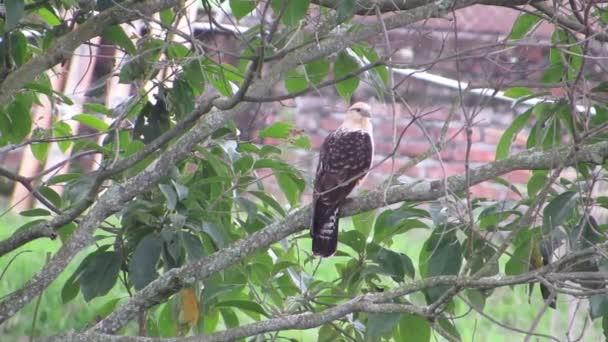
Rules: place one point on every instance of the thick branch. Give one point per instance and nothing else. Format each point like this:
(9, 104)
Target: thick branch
(169, 283)
(367, 7)
(372, 302)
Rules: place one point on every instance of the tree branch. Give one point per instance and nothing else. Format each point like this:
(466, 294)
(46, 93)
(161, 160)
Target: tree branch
(64, 45)
(163, 287)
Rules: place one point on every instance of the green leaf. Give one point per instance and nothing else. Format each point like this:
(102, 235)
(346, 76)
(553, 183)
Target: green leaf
(345, 65)
(517, 92)
(441, 255)
(558, 210)
(317, 70)
(243, 305)
(167, 16)
(504, 144)
(35, 212)
(397, 265)
(354, 239)
(51, 195)
(170, 195)
(291, 185)
(115, 34)
(270, 201)
(48, 16)
(536, 182)
(554, 73)
(294, 11)
(598, 306)
(295, 82)
(62, 129)
(392, 222)
(346, 10)
(364, 222)
(379, 324)
(414, 328)
(14, 12)
(92, 121)
(449, 328)
(18, 47)
(524, 24)
(520, 259)
(241, 8)
(193, 246)
(100, 274)
(107, 308)
(142, 266)
(278, 130)
(19, 117)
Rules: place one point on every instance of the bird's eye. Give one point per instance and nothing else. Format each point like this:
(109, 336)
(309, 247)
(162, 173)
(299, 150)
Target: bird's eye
(357, 109)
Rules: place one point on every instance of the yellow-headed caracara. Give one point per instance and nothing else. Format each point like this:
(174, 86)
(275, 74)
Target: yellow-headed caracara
(345, 158)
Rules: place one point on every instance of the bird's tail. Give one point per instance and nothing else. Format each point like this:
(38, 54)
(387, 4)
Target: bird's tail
(324, 230)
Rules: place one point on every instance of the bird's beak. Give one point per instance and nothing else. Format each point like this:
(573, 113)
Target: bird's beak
(366, 114)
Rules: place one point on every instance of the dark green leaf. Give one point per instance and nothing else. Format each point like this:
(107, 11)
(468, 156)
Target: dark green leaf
(449, 328)
(193, 245)
(50, 195)
(396, 265)
(115, 34)
(524, 24)
(558, 210)
(598, 306)
(142, 266)
(504, 145)
(343, 66)
(230, 318)
(414, 328)
(35, 212)
(291, 185)
(14, 12)
(294, 11)
(346, 9)
(379, 324)
(19, 117)
(441, 255)
(241, 8)
(243, 305)
(18, 47)
(169, 194)
(100, 274)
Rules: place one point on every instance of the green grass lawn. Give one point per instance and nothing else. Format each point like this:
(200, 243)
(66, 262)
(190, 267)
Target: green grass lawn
(507, 305)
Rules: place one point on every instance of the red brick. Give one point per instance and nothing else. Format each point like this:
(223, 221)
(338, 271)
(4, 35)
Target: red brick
(459, 134)
(316, 141)
(329, 125)
(385, 130)
(518, 177)
(479, 153)
(493, 135)
(451, 169)
(412, 149)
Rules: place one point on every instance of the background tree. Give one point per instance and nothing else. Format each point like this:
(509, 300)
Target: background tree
(176, 209)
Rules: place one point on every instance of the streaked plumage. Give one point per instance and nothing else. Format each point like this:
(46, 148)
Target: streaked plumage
(345, 158)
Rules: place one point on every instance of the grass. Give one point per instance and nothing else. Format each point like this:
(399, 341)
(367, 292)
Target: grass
(507, 305)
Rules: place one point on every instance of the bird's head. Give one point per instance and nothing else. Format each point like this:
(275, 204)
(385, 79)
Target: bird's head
(362, 109)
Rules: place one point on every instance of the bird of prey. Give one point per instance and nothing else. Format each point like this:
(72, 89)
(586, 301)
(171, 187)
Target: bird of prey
(344, 161)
